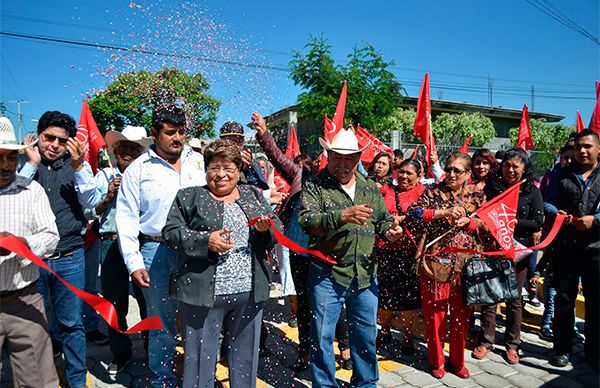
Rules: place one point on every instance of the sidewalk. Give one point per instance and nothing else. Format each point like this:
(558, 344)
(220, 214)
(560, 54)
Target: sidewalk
(396, 370)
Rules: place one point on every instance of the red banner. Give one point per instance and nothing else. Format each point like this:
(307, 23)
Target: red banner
(423, 128)
(465, 147)
(332, 127)
(89, 135)
(580, 126)
(293, 147)
(286, 242)
(525, 141)
(102, 306)
(500, 216)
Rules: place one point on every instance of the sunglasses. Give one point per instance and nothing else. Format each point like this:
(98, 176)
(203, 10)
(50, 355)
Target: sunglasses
(52, 138)
(456, 171)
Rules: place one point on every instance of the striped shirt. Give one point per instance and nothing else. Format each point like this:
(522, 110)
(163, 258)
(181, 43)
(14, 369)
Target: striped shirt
(25, 212)
(147, 191)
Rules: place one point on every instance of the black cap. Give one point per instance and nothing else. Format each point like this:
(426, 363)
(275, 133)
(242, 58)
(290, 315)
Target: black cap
(231, 128)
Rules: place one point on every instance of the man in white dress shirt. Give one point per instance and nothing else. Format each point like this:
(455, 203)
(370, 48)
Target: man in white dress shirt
(25, 213)
(147, 191)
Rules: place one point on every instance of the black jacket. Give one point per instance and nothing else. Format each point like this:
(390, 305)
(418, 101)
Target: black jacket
(194, 215)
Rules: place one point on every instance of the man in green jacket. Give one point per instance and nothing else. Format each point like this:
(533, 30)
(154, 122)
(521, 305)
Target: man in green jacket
(341, 212)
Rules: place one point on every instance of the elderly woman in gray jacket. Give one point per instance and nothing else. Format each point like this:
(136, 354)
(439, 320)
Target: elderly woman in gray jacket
(222, 277)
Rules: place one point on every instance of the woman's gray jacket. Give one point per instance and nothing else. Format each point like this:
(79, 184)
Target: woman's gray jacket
(194, 215)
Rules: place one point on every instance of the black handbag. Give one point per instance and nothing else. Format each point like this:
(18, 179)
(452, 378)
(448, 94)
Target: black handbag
(489, 280)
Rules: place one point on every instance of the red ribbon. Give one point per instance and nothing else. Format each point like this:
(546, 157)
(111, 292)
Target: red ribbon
(102, 306)
(286, 242)
(558, 221)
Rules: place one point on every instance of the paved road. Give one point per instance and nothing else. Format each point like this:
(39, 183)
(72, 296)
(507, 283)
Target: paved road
(396, 370)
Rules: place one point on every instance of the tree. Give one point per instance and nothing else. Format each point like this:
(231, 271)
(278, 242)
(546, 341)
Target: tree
(548, 139)
(373, 91)
(132, 97)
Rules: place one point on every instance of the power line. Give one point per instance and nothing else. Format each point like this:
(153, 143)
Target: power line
(11, 74)
(504, 91)
(549, 9)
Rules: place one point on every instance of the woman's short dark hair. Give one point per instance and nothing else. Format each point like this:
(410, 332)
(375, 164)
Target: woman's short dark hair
(456, 155)
(414, 164)
(523, 158)
(169, 114)
(379, 156)
(220, 149)
(488, 156)
(54, 118)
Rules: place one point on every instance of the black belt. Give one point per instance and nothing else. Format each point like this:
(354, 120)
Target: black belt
(58, 255)
(151, 238)
(108, 236)
(8, 296)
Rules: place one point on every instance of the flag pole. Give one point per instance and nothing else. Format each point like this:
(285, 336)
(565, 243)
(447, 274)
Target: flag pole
(107, 158)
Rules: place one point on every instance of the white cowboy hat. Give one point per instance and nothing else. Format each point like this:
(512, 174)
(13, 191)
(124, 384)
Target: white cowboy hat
(344, 142)
(130, 133)
(8, 140)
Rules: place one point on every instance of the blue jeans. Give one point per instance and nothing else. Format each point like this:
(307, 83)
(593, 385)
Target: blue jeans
(66, 310)
(327, 299)
(92, 264)
(160, 260)
(549, 292)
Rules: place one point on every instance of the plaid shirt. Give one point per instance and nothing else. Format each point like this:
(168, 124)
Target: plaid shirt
(25, 212)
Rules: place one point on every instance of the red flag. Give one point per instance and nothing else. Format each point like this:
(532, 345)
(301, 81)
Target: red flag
(293, 148)
(364, 139)
(89, 135)
(332, 127)
(580, 125)
(423, 127)
(500, 216)
(415, 153)
(465, 147)
(525, 141)
(595, 121)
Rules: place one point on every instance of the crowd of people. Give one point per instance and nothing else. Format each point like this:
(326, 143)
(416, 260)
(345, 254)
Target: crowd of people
(190, 232)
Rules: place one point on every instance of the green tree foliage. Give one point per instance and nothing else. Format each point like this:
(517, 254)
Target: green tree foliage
(373, 91)
(448, 129)
(547, 138)
(132, 97)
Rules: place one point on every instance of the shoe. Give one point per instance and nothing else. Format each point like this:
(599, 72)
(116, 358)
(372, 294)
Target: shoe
(302, 363)
(96, 337)
(119, 363)
(534, 301)
(346, 363)
(560, 360)
(438, 373)
(463, 372)
(481, 352)
(545, 333)
(384, 339)
(512, 357)
(578, 338)
(293, 322)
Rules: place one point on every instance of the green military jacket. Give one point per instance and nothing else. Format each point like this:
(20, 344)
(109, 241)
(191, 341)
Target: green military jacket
(351, 245)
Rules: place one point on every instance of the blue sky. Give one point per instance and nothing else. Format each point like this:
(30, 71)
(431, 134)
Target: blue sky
(460, 43)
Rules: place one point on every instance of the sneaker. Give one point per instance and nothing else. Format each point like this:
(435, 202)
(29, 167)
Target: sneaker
(534, 301)
(293, 322)
(96, 337)
(578, 338)
(545, 333)
(512, 356)
(560, 360)
(119, 363)
(481, 352)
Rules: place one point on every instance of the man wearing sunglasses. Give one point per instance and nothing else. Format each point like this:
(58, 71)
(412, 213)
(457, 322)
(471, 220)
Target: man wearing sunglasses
(56, 163)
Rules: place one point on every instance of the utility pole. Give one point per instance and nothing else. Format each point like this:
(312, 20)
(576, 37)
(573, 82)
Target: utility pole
(19, 118)
(532, 100)
(490, 90)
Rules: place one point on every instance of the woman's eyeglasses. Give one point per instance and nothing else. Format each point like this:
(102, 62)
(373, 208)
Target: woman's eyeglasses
(217, 169)
(52, 138)
(456, 171)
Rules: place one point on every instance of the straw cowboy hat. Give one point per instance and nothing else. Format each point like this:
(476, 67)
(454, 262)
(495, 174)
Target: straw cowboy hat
(344, 142)
(8, 140)
(198, 143)
(130, 133)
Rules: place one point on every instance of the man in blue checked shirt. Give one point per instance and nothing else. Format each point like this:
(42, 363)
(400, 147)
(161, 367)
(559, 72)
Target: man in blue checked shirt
(146, 193)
